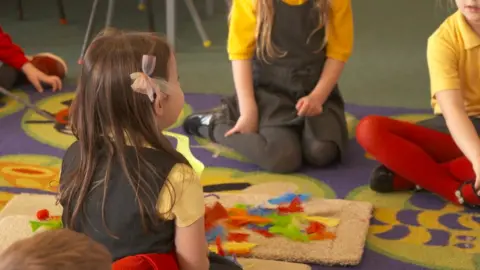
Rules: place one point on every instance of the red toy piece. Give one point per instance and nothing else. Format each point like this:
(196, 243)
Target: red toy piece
(220, 250)
(294, 207)
(214, 214)
(315, 227)
(238, 237)
(265, 233)
(43, 214)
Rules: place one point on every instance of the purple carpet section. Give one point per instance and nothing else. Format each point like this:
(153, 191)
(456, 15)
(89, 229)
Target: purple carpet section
(341, 178)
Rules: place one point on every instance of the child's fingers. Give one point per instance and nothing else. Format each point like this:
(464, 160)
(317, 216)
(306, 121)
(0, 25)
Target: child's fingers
(303, 109)
(299, 104)
(231, 131)
(38, 86)
(58, 83)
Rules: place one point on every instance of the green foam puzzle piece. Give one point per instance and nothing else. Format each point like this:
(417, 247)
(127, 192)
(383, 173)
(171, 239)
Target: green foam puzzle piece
(291, 232)
(51, 225)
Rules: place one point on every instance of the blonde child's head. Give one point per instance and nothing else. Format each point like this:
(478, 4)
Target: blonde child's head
(265, 15)
(56, 250)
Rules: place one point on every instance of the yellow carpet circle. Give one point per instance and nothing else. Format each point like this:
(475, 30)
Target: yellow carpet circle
(9, 105)
(39, 172)
(443, 238)
(59, 134)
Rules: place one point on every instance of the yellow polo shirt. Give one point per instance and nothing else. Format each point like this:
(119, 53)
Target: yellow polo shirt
(243, 21)
(453, 56)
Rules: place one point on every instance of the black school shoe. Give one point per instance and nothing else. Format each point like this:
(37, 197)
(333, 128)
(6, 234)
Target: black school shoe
(382, 181)
(195, 121)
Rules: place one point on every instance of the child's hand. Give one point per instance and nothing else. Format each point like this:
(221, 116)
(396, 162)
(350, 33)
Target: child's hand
(247, 123)
(36, 77)
(309, 106)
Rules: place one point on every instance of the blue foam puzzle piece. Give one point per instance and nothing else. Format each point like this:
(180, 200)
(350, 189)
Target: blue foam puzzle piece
(214, 232)
(259, 211)
(288, 198)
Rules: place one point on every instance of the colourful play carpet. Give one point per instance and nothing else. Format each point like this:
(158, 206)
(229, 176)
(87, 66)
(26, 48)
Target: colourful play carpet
(409, 230)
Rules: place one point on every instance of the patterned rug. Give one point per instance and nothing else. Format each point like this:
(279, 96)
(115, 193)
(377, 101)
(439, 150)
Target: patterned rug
(409, 230)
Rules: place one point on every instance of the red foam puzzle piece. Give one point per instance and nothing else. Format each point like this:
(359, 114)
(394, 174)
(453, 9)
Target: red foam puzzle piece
(220, 250)
(315, 227)
(43, 214)
(294, 207)
(213, 214)
(238, 237)
(263, 232)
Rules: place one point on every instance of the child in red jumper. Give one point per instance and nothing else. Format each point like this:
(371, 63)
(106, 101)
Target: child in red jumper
(425, 155)
(40, 69)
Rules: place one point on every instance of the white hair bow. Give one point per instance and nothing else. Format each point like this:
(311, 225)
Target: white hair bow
(143, 83)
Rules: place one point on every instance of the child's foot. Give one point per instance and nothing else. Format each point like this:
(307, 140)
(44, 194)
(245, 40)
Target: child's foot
(383, 180)
(467, 195)
(201, 124)
(50, 64)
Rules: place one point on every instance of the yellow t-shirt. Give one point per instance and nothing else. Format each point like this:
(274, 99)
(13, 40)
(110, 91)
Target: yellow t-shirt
(453, 56)
(243, 20)
(188, 200)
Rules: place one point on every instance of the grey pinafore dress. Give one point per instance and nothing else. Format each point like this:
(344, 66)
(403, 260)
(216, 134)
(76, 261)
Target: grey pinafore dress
(281, 82)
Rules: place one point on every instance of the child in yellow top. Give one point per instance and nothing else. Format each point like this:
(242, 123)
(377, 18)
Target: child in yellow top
(287, 57)
(122, 183)
(442, 154)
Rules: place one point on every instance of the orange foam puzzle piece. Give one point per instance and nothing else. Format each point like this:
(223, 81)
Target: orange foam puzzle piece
(237, 212)
(322, 236)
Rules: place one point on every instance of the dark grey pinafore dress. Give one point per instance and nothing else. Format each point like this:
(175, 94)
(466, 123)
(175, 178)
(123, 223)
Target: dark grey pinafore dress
(281, 82)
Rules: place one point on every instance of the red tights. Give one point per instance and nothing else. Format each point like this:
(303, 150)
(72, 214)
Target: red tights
(418, 155)
(147, 262)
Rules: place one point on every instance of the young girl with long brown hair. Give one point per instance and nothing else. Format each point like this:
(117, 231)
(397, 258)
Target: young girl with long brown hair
(122, 182)
(442, 154)
(287, 57)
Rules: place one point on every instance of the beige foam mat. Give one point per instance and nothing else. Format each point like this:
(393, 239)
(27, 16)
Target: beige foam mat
(346, 249)
(22, 208)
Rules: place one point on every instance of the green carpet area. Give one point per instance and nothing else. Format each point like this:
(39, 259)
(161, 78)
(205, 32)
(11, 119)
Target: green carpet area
(388, 67)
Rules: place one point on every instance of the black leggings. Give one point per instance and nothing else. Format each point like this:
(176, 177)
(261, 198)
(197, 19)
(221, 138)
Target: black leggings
(9, 76)
(220, 263)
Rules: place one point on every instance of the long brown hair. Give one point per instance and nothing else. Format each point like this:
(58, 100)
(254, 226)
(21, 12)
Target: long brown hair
(107, 114)
(265, 14)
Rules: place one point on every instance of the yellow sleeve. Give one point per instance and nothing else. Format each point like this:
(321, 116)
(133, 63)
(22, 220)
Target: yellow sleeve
(442, 61)
(340, 30)
(186, 193)
(241, 31)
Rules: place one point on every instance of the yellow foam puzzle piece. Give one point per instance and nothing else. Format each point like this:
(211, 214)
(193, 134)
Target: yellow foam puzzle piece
(329, 222)
(233, 246)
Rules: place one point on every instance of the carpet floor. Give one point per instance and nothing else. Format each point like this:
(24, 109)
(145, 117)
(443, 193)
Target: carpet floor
(408, 231)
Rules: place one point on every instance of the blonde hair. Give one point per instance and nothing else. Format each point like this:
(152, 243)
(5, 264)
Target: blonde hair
(56, 250)
(265, 15)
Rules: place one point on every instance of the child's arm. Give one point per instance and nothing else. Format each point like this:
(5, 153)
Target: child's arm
(339, 47)
(10, 53)
(445, 87)
(192, 249)
(241, 48)
(460, 126)
(188, 211)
